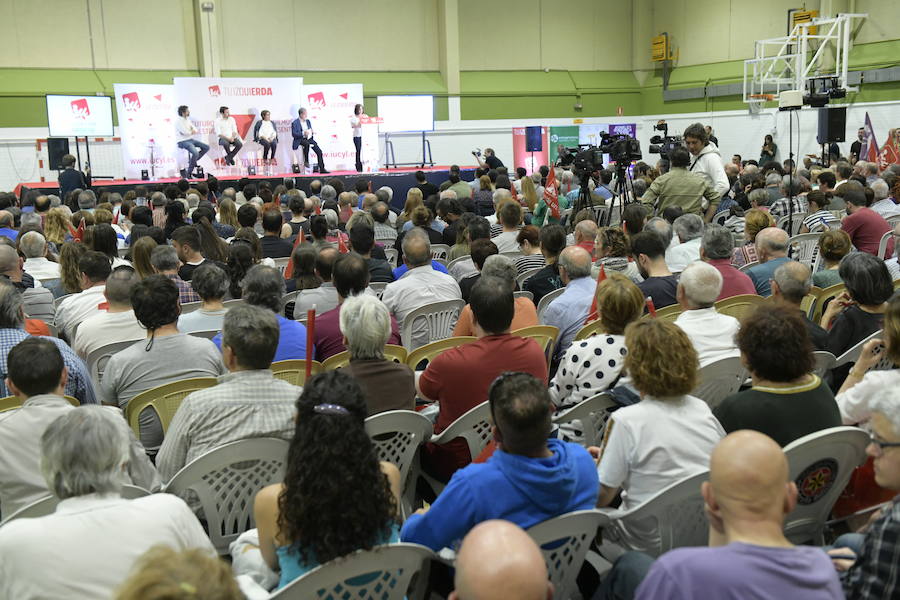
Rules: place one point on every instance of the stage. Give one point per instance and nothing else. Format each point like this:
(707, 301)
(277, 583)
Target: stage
(399, 180)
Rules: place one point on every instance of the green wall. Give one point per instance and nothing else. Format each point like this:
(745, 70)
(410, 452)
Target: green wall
(484, 94)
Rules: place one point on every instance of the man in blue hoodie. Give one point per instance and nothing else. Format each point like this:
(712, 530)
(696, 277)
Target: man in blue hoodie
(529, 479)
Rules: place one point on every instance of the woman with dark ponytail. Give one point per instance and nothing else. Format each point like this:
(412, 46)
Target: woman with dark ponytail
(337, 497)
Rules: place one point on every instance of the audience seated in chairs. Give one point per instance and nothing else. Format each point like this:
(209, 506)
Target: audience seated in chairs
(273, 245)
(248, 402)
(324, 297)
(94, 268)
(336, 497)
(611, 253)
(459, 378)
(790, 285)
(34, 247)
(529, 479)
(362, 241)
(861, 382)
(498, 560)
(117, 323)
(569, 310)
(264, 286)
(163, 573)
(367, 325)
(95, 537)
(165, 262)
(717, 249)
(528, 240)
(36, 373)
(594, 365)
(481, 249)
(420, 286)
(649, 251)
(510, 216)
(501, 267)
(350, 275)
(553, 241)
(211, 283)
(834, 245)
(12, 331)
(166, 355)
(787, 400)
(37, 302)
(771, 252)
(747, 498)
(665, 437)
(711, 333)
(689, 229)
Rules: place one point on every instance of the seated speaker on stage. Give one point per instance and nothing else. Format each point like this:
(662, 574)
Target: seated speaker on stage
(229, 139)
(302, 131)
(185, 132)
(265, 134)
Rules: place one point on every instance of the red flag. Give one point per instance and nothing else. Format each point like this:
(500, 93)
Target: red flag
(869, 151)
(651, 308)
(115, 220)
(512, 190)
(342, 245)
(592, 313)
(890, 152)
(289, 270)
(78, 235)
(551, 194)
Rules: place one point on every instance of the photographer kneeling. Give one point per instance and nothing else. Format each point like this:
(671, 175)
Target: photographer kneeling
(680, 187)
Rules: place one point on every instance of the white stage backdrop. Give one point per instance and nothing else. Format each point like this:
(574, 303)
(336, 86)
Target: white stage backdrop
(147, 113)
(330, 107)
(245, 98)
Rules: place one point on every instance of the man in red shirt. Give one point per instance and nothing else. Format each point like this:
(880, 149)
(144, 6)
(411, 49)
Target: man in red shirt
(585, 233)
(460, 377)
(864, 226)
(717, 248)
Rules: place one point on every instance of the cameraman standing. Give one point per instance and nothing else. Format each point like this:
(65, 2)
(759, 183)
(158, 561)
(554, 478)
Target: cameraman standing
(680, 187)
(490, 160)
(706, 159)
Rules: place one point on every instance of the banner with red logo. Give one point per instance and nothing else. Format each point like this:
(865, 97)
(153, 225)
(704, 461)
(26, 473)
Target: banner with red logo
(530, 161)
(890, 152)
(245, 98)
(330, 108)
(147, 113)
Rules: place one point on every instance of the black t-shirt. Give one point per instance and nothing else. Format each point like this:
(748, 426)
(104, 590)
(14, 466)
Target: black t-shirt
(543, 282)
(275, 247)
(855, 148)
(449, 233)
(493, 162)
(186, 272)
(428, 189)
(466, 285)
(782, 414)
(660, 289)
(817, 335)
(380, 271)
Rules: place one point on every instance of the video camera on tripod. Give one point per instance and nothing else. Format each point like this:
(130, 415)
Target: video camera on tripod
(622, 149)
(665, 143)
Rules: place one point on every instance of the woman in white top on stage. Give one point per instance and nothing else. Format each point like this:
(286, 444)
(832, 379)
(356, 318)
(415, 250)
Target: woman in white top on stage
(265, 134)
(356, 124)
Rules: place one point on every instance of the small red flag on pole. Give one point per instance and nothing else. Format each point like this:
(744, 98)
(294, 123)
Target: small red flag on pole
(310, 336)
(592, 313)
(650, 308)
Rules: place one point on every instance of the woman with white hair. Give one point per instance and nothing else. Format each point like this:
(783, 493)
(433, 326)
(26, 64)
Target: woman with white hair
(366, 325)
(503, 268)
(87, 547)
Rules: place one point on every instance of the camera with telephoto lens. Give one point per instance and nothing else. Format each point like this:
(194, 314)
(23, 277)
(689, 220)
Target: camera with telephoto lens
(622, 150)
(665, 143)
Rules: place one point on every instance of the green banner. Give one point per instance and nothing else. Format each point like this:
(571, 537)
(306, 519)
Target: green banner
(566, 135)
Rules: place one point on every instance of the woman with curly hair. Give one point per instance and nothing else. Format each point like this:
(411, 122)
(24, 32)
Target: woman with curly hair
(240, 260)
(667, 436)
(611, 252)
(337, 497)
(69, 255)
(57, 225)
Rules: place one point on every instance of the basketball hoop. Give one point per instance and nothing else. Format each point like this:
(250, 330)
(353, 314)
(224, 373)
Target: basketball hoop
(756, 101)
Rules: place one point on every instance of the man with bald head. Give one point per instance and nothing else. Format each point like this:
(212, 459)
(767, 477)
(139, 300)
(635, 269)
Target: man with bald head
(498, 560)
(771, 249)
(569, 311)
(585, 233)
(420, 285)
(790, 283)
(711, 332)
(36, 301)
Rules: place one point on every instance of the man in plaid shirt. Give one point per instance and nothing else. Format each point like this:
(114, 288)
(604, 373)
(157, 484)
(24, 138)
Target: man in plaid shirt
(875, 572)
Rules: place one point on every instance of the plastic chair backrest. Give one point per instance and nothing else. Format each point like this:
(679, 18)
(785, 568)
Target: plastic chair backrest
(47, 505)
(429, 351)
(520, 279)
(96, 360)
(883, 244)
(825, 296)
(398, 434)
(852, 355)
(188, 307)
(564, 541)
(591, 414)
(679, 512)
(378, 287)
(226, 480)
(391, 255)
(205, 334)
(720, 379)
(474, 426)
(748, 266)
(825, 361)
(294, 371)
(739, 306)
(720, 217)
(58, 301)
(342, 359)
(810, 301)
(523, 294)
(164, 400)
(440, 251)
(287, 299)
(892, 221)
(382, 573)
(796, 224)
(10, 403)
(282, 263)
(458, 260)
(591, 329)
(544, 335)
(804, 247)
(821, 464)
(439, 318)
(545, 302)
(667, 313)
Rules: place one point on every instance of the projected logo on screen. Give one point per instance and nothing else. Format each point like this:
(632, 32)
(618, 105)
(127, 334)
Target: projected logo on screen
(215, 91)
(131, 101)
(316, 100)
(80, 109)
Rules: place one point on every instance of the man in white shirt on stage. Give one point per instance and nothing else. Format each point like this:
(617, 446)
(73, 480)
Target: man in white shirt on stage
(185, 132)
(227, 131)
(302, 132)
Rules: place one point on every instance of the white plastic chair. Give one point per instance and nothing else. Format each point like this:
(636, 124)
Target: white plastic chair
(796, 224)
(474, 426)
(804, 247)
(748, 266)
(720, 379)
(591, 414)
(287, 299)
(47, 505)
(378, 287)
(282, 263)
(58, 301)
(564, 541)
(440, 252)
(188, 307)
(523, 294)
(96, 360)
(226, 480)
(438, 318)
(398, 434)
(391, 255)
(524, 276)
(678, 512)
(852, 355)
(821, 464)
(825, 361)
(892, 221)
(545, 302)
(883, 244)
(382, 573)
(720, 217)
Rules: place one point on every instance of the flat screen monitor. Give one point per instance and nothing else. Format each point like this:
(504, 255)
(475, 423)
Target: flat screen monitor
(406, 113)
(76, 116)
